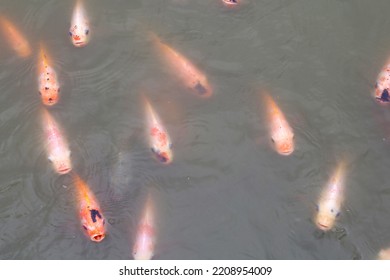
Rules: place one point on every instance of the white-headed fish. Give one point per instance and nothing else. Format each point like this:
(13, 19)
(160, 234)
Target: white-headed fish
(331, 199)
(56, 145)
(79, 30)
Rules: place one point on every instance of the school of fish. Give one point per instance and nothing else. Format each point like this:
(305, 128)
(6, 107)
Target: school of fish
(189, 76)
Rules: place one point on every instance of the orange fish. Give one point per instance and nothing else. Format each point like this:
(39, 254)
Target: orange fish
(48, 84)
(384, 254)
(180, 66)
(79, 28)
(331, 199)
(282, 135)
(56, 146)
(230, 2)
(14, 38)
(145, 240)
(159, 139)
(91, 217)
(382, 86)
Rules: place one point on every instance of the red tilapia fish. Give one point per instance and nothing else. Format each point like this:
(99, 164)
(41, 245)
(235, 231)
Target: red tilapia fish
(159, 140)
(14, 38)
(384, 254)
(48, 84)
(143, 248)
(382, 86)
(91, 217)
(56, 146)
(331, 199)
(282, 135)
(181, 67)
(79, 28)
(230, 2)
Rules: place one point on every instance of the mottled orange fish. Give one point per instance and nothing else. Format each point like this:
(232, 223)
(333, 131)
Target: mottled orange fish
(79, 30)
(282, 135)
(48, 84)
(91, 217)
(143, 248)
(331, 199)
(382, 86)
(181, 67)
(159, 140)
(14, 38)
(56, 145)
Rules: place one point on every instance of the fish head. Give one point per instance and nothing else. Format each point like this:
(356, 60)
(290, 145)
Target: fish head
(326, 216)
(163, 155)
(49, 95)
(284, 145)
(201, 87)
(79, 35)
(230, 2)
(93, 224)
(143, 254)
(62, 164)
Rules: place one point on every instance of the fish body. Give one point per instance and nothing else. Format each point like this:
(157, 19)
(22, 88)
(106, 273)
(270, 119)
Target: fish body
(79, 30)
(56, 145)
(331, 199)
(91, 217)
(48, 84)
(185, 70)
(15, 38)
(281, 133)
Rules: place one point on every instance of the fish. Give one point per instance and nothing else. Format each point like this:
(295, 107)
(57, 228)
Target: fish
(79, 30)
(48, 84)
(331, 198)
(57, 147)
(144, 244)
(185, 70)
(15, 38)
(382, 85)
(91, 217)
(230, 2)
(281, 133)
(159, 140)
(384, 254)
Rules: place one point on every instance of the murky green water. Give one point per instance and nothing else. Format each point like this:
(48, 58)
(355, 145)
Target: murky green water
(227, 194)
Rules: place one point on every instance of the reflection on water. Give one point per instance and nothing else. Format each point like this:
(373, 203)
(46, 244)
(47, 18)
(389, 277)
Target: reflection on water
(227, 194)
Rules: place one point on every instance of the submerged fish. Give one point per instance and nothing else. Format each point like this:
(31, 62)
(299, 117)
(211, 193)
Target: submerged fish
(159, 140)
(48, 84)
(181, 67)
(331, 199)
(56, 145)
(143, 248)
(384, 254)
(230, 2)
(79, 30)
(382, 86)
(15, 38)
(91, 217)
(282, 135)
